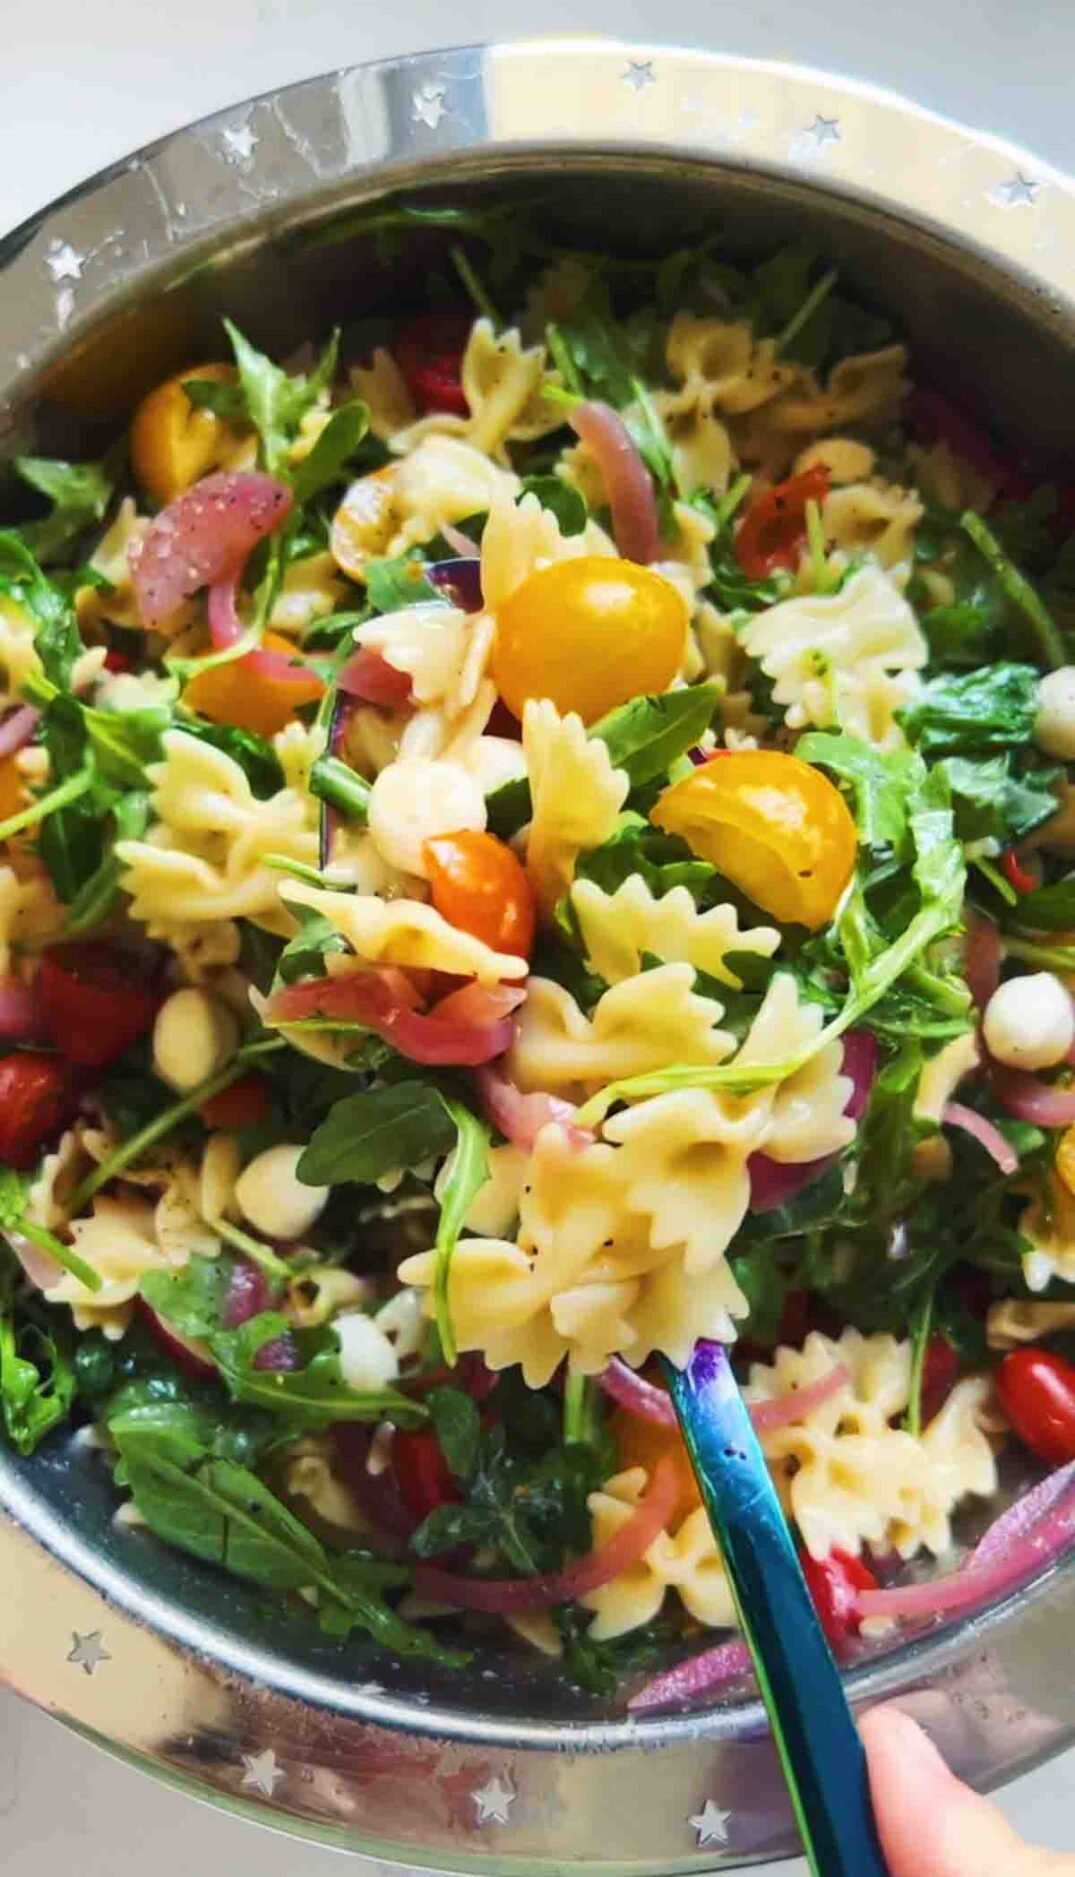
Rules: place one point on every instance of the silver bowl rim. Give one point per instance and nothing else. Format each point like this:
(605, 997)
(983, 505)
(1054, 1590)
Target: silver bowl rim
(65, 267)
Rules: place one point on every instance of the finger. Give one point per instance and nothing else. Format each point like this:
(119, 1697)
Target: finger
(930, 1824)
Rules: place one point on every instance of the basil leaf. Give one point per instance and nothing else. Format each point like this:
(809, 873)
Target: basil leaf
(334, 447)
(375, 1132)
(645, 737)
(560, 499)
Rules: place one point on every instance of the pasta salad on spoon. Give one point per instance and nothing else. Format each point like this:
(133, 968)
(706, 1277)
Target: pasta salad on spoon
(533, 836)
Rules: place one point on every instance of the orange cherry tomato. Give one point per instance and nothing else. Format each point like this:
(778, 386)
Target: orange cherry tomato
(643, 1443)
(240, 694)
(590, 634)
(776, 828)
(773, 529)
(173, 443)
(479, 886)
(12, 787)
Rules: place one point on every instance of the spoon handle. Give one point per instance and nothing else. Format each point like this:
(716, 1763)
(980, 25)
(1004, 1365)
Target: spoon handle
(820, 1751)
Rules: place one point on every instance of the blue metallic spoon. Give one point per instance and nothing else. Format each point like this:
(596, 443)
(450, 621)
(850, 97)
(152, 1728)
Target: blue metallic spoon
(820, 1751)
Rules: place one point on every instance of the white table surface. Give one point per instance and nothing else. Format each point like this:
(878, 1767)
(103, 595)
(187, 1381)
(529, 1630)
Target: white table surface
(83, 84)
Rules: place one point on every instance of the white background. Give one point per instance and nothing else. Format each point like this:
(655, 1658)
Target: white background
(82, 84)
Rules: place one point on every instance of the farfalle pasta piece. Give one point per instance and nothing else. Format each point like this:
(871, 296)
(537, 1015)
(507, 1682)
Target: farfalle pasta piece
(115, 604)
(618, 928)
(687, 1155)
(961, 1465)
(685, 1560)
(503, 384)
(721, 366)
(950, 481)
(442, 650)
(637, 1026)
(700, 444)
(848, 659)
(576, 797)
(874, 518)
(1048, 1226)
(520, 538)
(311, 589)
(30, 914)
(383, 388)
(865, 391)
(119, 1242)
(406, 932)
(443, 480)
(18, 654)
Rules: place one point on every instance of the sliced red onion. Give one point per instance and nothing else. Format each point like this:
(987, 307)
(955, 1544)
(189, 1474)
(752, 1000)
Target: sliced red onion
(42, 1271)
(382, 999)
(798, 1403)
(279, 1356)
(986, 1133)
(774, 1182)
(370, 679)
(1009, 1560)
(1029, 1099)
(700, 1675)
(459, 580)
(204, 537)
(249, 1293)
(378, 1494)
(631, 1390)
(190, 1357)
(983, 955)
(627, 481)
(21, 1019)
(17, 729)
(520, 1118)
(1021, 1518)
(506, 1595)
(226, 629)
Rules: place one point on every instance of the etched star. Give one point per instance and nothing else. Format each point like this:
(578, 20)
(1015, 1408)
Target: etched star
(824, 130)
(261, 1772)
(88, 1652)
(638, 73)
(64, 262)
(240, 142)
(494, 1801)
(711, 1824)
(428, 106)
(1018, 189)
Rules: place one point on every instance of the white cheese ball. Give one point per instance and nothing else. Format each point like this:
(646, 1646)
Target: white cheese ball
(1029, 1022)
(194, 1035)
(367, 1358)
(1054, 727)
(412, 801)
(494, 760)
(273, 1199)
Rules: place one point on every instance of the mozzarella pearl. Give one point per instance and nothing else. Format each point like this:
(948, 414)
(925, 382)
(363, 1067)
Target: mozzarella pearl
(494, 760)
(412, 801)
(194, 1035)
(1030, 1022)
(367, 1358)
(273, 1199)
(1054, 727)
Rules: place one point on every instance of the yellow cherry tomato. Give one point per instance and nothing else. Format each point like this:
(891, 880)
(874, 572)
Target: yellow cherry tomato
(643, 1443)
(172, 443)
(589, 634)
(240, 694)
(776, 828)
(12, 788)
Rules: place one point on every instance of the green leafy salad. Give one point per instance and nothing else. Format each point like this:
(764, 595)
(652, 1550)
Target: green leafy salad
(535, 834)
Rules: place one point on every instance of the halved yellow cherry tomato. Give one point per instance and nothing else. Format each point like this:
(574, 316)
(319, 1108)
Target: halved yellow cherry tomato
(776, 828)
(643, 1443)
(478, 885)
(172, 443)
(589, 634)
(12, 788)
(240, 694)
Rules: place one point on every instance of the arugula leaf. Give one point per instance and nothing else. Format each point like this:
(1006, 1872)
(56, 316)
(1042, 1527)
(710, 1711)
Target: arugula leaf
(1017, 589)
(275, 401)
(223, 1513)
(663, 860)
(57, 638)
(645, 737)
(392, 584)
(254, 754)
(37, 1378)
(79, 493)
(509, 808)
(609, 353)
(560, 499)
(375, 1132)
(457, 1425)
(1047, 908)
(879, 784)
(468, 1172)
(304, 955)
(332, 452)
(990, 802)
(974, 713)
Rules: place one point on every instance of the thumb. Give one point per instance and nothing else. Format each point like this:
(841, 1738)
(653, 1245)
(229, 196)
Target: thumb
(930, 1824)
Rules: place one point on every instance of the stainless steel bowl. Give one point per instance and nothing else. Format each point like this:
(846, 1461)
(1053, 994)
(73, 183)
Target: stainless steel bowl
(969, 244)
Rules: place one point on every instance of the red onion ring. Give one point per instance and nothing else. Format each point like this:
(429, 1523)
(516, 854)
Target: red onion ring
(248, 1294)
(368, 677)
(986, 1133)
(650, 1403)
(1021, 1518)
(785, 1410)
(520, 1118)
(191, 1358)
(504, 1596)
(378, 1494)
(226, 629)
(383, 1000)
(279, 1356)
(631, 1391)
(203, 538)
(628, 484)
(1029, 1099)
(700, 1675)
(983, 955)
(17, 729)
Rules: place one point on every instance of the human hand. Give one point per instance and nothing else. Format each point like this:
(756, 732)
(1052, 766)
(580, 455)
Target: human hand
(930, 1824)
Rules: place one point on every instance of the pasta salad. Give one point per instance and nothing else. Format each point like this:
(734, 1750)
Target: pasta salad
(535, 835)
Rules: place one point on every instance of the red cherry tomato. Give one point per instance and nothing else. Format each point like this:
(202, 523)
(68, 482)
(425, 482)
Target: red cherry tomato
(1037, 1393)
(479, 886)
(36, 1099)
(242, 1105)
(96, 1002)
(423, 1475)
(774, 527)
(834, 1583)
(1016, 874)
(429, 353)
(116, 661)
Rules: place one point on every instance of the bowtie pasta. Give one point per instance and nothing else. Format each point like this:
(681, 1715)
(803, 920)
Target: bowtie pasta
(534, 839)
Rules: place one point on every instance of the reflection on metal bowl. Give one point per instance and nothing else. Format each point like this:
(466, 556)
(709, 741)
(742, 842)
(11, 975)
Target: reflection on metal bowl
(504, 1767)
